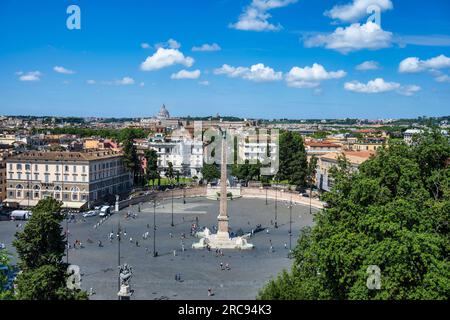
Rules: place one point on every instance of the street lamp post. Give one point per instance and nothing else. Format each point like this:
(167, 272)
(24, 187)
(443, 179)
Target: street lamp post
(172, 208)
(290, 228)
(154, 228)
(266, 195)
(67, 239)
(276, 206)
(119, 239)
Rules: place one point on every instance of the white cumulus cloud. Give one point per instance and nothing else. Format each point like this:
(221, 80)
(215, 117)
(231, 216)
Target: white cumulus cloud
(357, 9)
(207, 47)
(379, 85)
(29, 76)
(63, 70)
(257, 73)
(171, 44)
(125, 81)
(163, 58)
(409, 90)
(185, 74)
(442, 78)
(310, 77)
(367, 65)
(414, 64)
(145, 45)
(255, 16)
(353, 38)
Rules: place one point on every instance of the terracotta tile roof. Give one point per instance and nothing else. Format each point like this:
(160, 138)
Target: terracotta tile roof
(66, 155)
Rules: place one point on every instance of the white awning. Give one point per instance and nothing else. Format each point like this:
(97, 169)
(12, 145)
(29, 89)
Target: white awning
(32, 203)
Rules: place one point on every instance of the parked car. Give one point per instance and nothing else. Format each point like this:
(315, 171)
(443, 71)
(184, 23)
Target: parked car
(305, 194)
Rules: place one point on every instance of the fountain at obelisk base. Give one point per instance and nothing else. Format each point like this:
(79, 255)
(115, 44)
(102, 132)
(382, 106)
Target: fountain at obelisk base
(222, 239)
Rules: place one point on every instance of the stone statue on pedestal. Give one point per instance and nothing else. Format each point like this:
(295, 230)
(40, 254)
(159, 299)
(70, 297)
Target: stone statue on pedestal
(125, 275)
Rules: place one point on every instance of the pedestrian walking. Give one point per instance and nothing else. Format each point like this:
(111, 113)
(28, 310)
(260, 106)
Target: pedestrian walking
(221, 265)
(210, 293)
(227, 266)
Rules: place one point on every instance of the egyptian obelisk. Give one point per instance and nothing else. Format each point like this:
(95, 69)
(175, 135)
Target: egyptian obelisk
(223, 215)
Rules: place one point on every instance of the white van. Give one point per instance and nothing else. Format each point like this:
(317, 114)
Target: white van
(21, 214)
(104, 211)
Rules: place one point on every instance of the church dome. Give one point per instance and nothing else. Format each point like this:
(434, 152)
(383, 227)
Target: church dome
(163, 113)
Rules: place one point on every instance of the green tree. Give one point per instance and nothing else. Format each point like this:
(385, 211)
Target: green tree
(247, 171)
(210, 172)
(5, 262)
(40, 248)
(292, 155)
(170, 173)
(151, 171)
(131, 160)
(392, 213)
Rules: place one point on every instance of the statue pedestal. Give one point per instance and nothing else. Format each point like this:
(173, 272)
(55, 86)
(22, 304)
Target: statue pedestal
(125, 293)
(222, 240)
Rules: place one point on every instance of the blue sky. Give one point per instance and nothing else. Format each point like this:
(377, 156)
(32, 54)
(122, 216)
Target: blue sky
(253, 58)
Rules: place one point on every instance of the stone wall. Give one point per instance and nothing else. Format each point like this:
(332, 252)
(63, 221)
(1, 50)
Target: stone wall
(249, 192)
(285, 195)
(161, 195)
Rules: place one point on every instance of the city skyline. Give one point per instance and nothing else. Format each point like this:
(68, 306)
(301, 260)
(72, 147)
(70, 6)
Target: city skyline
(250, 59)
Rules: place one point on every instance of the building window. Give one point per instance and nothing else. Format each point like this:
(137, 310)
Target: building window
(10, 175)
(74, 168)
(10, 166)
(36, 167)
(84, 169)
(19, 166)
(66, 168)
(19, 176)
(36, 176)
(27, 167)
(65, 178)
(46, 178)
(46, 167)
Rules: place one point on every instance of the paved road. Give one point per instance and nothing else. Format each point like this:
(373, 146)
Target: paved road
(154, 278)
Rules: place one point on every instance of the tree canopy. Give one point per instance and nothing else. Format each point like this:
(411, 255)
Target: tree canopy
(393, 213)
(210, 172)
(40, 248)
(292, 155)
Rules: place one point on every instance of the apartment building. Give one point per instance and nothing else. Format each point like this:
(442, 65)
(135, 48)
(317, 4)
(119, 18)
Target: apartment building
(325, 162)
(4, 154)
(79, 179)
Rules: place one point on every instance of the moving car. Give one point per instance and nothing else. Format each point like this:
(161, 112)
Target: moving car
(104, 211)
(21, 214)
(90, 213)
